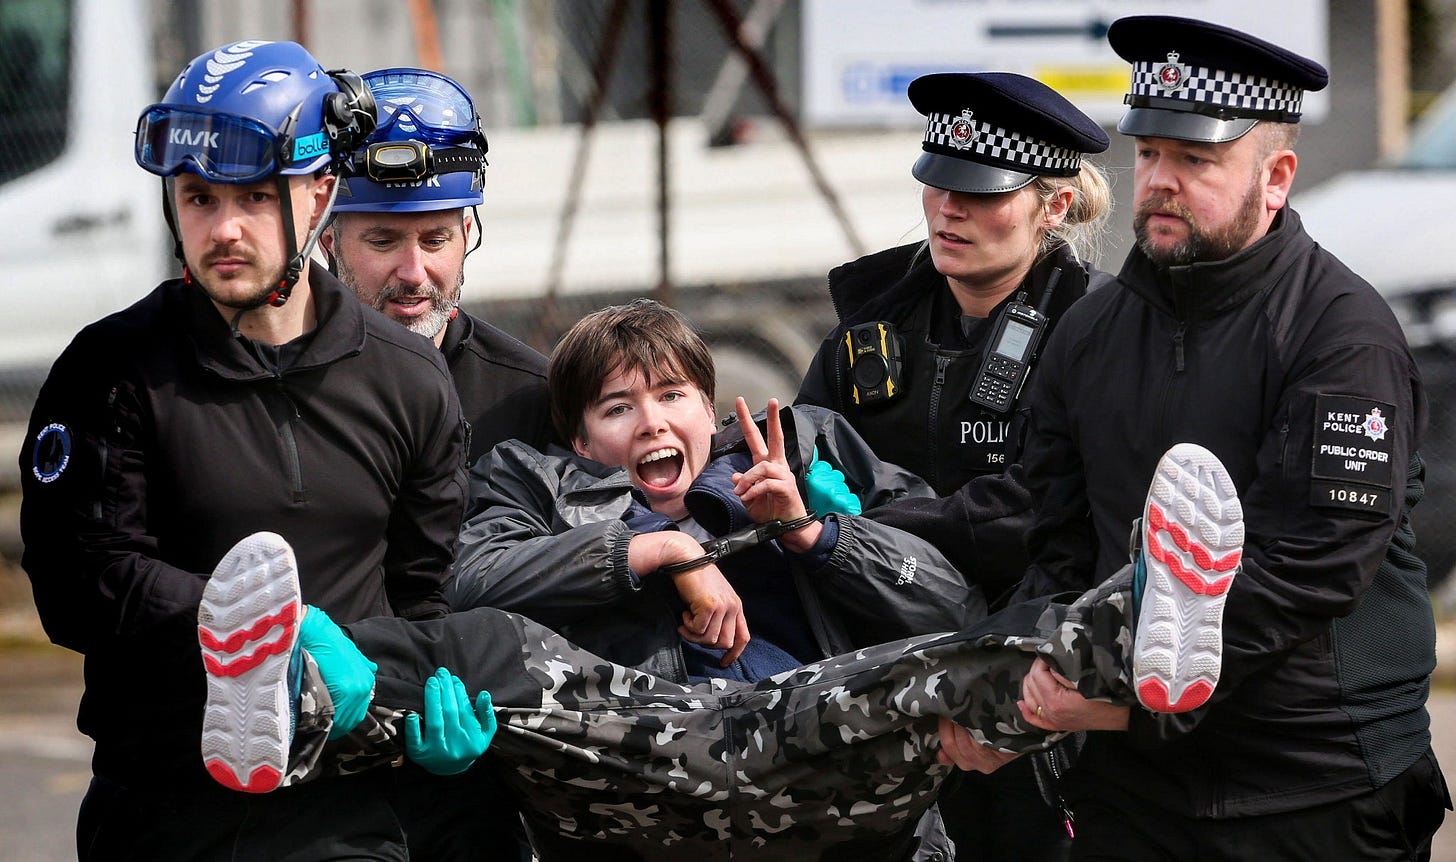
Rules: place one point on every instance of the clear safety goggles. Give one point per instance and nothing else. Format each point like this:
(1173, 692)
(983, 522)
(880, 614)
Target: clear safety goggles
(223, 148)
(425, 106)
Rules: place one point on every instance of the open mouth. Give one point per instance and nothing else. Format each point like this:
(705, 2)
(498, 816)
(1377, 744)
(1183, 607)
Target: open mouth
(408, 306)
(660, 469)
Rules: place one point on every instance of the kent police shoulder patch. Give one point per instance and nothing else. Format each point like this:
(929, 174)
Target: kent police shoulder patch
(51, 453)
(1351, 466)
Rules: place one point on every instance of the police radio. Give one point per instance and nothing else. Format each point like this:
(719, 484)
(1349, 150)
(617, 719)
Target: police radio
(874, 361)
(1008, 359)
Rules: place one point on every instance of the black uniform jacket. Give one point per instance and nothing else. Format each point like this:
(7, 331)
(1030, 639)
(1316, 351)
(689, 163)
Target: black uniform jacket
(968, 454)
(160, 439)
(1293, 371)
(502, 385)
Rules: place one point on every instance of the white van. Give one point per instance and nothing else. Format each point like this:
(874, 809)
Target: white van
(81, 231)
(1395, 226)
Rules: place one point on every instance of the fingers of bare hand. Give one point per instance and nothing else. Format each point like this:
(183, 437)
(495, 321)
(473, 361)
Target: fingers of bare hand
(1034, 714)
(775, 433)
(959, 748)
(692, 627)
(756, 447)
(954, 741)
(717, 631)
(740, 642)
(1061, 680)
(1037, 686)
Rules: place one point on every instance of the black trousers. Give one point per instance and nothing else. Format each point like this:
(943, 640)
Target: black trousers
(383, 816)
(349, 820)
(1395, 822)
(1002, 817)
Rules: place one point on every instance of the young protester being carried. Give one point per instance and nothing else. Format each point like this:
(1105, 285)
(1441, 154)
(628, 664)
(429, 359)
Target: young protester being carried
(839, 753)
(587, 544)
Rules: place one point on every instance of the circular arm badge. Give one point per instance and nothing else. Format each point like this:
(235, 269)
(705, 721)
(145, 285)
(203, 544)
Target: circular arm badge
(52, 452)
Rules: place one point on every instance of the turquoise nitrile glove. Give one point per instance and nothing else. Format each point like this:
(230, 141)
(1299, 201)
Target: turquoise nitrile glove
(827, 490)
(454, 736)
(348, 675)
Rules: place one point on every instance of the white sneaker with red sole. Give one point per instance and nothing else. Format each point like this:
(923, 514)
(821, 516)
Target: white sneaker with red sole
(1192, 542)
(247, 626)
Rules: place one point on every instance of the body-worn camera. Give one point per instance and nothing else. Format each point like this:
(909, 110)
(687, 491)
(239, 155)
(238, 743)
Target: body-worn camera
(874, 361)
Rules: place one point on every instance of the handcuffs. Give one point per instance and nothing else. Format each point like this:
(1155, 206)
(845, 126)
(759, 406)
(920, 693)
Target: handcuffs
(742, 540)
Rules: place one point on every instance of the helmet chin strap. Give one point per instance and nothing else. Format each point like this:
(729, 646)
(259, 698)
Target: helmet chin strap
(297, 258)
(169, 210)
(479, 231)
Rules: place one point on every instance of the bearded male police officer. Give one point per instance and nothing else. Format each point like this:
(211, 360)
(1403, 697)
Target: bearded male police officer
(1229, 327)
(402, 221)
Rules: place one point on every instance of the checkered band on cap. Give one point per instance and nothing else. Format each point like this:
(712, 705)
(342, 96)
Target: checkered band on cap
(966, 137)
(1209, 90)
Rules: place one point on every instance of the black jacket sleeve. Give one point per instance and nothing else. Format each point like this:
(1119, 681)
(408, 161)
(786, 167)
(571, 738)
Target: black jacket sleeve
(1307, 565)
(518, 553)
(425, 522)
(1060, 539)
(980, 527)
(93, 566)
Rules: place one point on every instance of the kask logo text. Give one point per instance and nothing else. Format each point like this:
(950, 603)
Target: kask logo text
(193, 138)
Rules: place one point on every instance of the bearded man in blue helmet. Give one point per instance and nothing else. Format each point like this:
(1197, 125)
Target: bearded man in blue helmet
(401, 231)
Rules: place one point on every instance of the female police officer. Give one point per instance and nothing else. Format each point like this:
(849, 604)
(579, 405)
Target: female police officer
(937, 339)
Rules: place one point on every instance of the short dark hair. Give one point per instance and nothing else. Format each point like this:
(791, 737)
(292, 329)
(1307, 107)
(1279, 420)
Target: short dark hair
(643, 336)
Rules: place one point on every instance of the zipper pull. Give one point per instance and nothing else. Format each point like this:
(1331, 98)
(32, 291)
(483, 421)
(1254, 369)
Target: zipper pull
(941, 364)
(1178, 345)
(1068, 822)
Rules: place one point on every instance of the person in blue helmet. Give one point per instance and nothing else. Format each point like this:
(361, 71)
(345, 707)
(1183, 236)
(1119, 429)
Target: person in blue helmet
(253, 392)
(401, 229)
(402, 224)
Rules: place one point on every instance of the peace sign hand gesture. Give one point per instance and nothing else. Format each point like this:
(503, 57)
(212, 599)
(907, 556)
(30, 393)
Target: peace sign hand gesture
(768, 489)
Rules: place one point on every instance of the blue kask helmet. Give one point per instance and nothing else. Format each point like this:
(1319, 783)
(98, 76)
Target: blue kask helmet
(249, 111)
(427, 153)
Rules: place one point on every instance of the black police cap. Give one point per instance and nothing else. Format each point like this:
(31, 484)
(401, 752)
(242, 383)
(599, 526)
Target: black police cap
(992, 132)
(1197, 81)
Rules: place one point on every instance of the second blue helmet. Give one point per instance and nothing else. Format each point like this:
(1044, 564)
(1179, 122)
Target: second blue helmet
(427, 153)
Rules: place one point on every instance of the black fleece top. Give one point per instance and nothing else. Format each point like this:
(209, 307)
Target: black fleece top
(160, 439)
(501, 383)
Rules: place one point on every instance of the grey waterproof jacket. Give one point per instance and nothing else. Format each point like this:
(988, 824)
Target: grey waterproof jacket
(545, 537)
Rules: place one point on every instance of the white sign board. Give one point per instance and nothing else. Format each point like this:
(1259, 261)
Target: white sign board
(860, 55)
